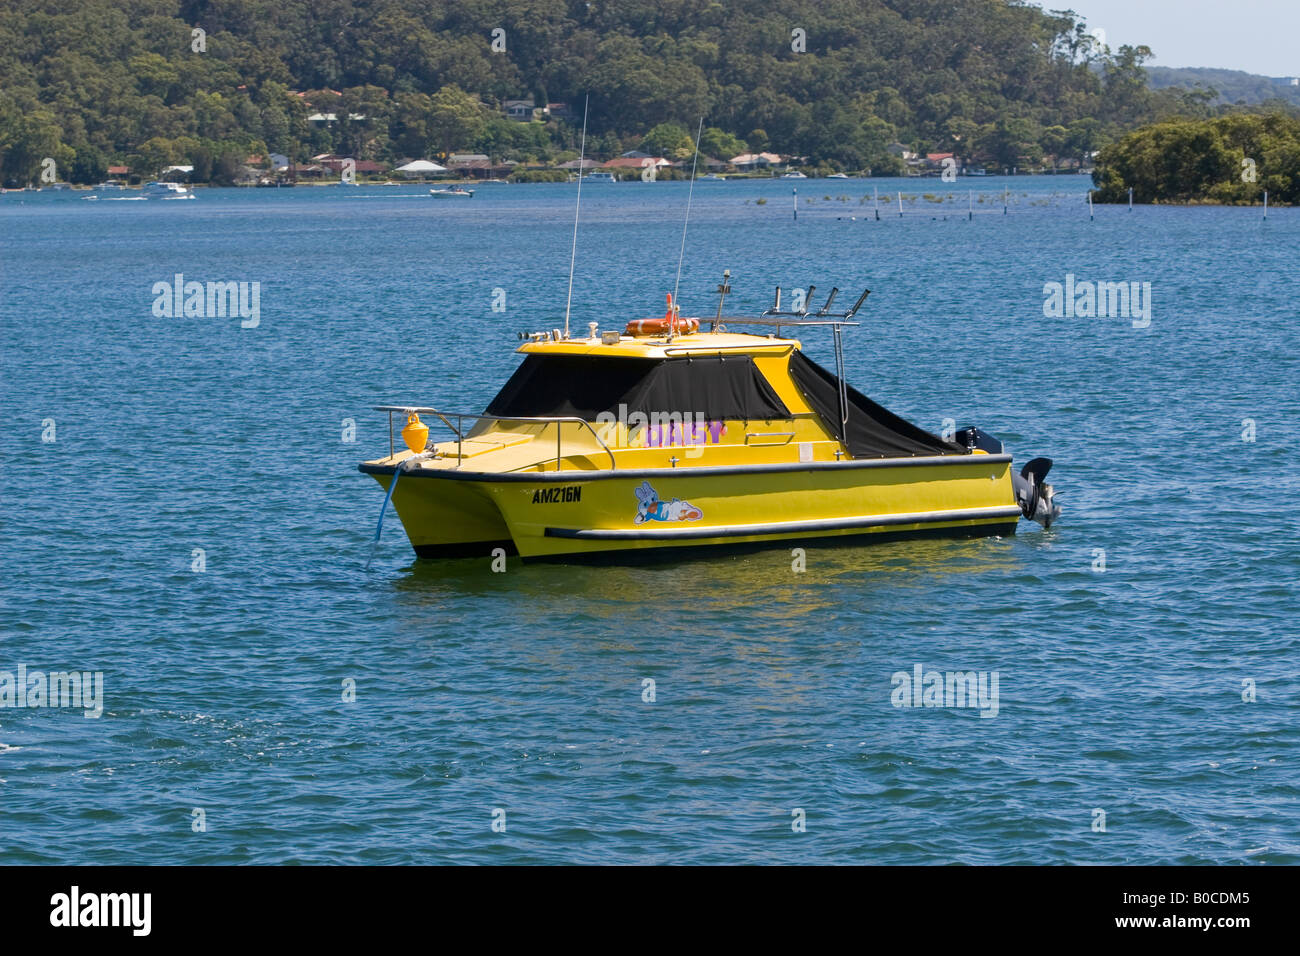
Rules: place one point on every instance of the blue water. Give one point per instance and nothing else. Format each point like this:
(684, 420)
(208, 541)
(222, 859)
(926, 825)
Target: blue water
(1121, 689)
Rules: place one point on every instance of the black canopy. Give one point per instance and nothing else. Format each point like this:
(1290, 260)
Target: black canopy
(873, 431)
(583, 386)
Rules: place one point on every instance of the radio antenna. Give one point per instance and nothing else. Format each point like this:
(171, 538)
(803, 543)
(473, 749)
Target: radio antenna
(577, 208)
(672, 322)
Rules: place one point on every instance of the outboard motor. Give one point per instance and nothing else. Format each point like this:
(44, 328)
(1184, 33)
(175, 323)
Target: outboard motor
(1034, 494)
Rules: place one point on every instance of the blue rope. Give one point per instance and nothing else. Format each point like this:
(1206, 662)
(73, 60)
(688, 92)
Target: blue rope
(379, 528)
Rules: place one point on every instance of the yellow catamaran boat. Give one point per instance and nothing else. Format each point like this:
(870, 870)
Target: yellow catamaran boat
(665, 435)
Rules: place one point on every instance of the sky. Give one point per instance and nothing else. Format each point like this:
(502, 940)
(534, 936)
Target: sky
(1258, 36)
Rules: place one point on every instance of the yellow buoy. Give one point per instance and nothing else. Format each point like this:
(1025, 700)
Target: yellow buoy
(415, 434)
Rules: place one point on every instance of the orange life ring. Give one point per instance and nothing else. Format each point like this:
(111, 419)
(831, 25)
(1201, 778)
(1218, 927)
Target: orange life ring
(661, 326)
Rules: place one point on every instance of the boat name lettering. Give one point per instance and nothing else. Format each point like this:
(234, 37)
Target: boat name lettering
(565, 494)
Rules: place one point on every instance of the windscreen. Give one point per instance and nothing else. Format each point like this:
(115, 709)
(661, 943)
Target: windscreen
(581, 386)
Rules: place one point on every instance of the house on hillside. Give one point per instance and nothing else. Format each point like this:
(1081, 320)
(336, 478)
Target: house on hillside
(938, 162)
(747, 162)
(635, 164)
(521, 111)
(478, 166)
(362, 167)
(322, 120)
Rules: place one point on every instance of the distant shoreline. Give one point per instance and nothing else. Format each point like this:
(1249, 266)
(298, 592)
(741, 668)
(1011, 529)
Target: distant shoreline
(970, 181)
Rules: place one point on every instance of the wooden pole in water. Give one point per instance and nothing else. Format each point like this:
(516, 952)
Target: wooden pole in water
(795, 190)
(1090, 218)
(1265, 205)
(900, 205)
(1130, 199)
(970, 210)
(1004, 200)
(876, 190)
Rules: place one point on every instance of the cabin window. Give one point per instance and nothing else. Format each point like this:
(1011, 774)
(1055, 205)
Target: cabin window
(719, 388)
(872, 431)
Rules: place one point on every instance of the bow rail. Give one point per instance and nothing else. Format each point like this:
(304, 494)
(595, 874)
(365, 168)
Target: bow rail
(459, 428)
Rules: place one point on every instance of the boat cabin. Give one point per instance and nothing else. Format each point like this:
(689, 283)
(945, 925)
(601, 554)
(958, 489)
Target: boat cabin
(700, 398)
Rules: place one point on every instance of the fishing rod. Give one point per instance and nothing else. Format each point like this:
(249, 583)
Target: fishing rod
(681, 255)
(573, 254)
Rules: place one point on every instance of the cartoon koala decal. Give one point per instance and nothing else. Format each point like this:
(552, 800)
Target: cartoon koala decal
(651, 508)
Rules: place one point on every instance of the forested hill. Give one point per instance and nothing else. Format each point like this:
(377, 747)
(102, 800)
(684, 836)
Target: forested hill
(1230, 86)
(99, 81)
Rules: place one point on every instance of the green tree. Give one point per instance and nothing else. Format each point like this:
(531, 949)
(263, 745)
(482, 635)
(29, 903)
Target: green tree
(409, 130)
(720, 144)
(1229, 159)
(669, 140)
(90, 166)
(455, 119)
(26, 141)
(1055, 141)
(991, 79)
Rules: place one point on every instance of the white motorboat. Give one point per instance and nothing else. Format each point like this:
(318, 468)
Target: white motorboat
(164, 190)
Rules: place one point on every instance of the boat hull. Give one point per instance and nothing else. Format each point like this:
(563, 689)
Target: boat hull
(592, 513)
(447, 519)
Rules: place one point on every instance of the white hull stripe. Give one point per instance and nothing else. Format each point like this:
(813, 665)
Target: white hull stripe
(785, 527)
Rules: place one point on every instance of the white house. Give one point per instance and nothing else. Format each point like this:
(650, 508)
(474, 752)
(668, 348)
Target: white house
(419, 168)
